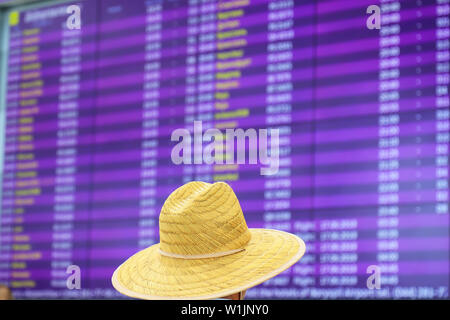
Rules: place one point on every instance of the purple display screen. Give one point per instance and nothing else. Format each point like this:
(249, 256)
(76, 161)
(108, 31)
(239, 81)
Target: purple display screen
(363, 117)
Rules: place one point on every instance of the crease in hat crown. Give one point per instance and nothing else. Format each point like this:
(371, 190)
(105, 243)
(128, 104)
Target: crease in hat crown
(202, 219)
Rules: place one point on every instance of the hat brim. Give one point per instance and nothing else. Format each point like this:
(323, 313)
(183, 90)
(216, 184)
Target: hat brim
(150, 275)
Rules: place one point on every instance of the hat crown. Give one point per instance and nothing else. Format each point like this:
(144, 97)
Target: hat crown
(200, 218)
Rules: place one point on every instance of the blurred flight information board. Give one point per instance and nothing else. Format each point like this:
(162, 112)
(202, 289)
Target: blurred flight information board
(363, 116)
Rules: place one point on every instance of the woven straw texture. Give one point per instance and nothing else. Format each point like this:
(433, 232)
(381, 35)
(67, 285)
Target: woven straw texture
(202, 219)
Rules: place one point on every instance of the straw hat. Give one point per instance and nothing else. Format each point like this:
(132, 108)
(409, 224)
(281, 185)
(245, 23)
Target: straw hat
(206, 250)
